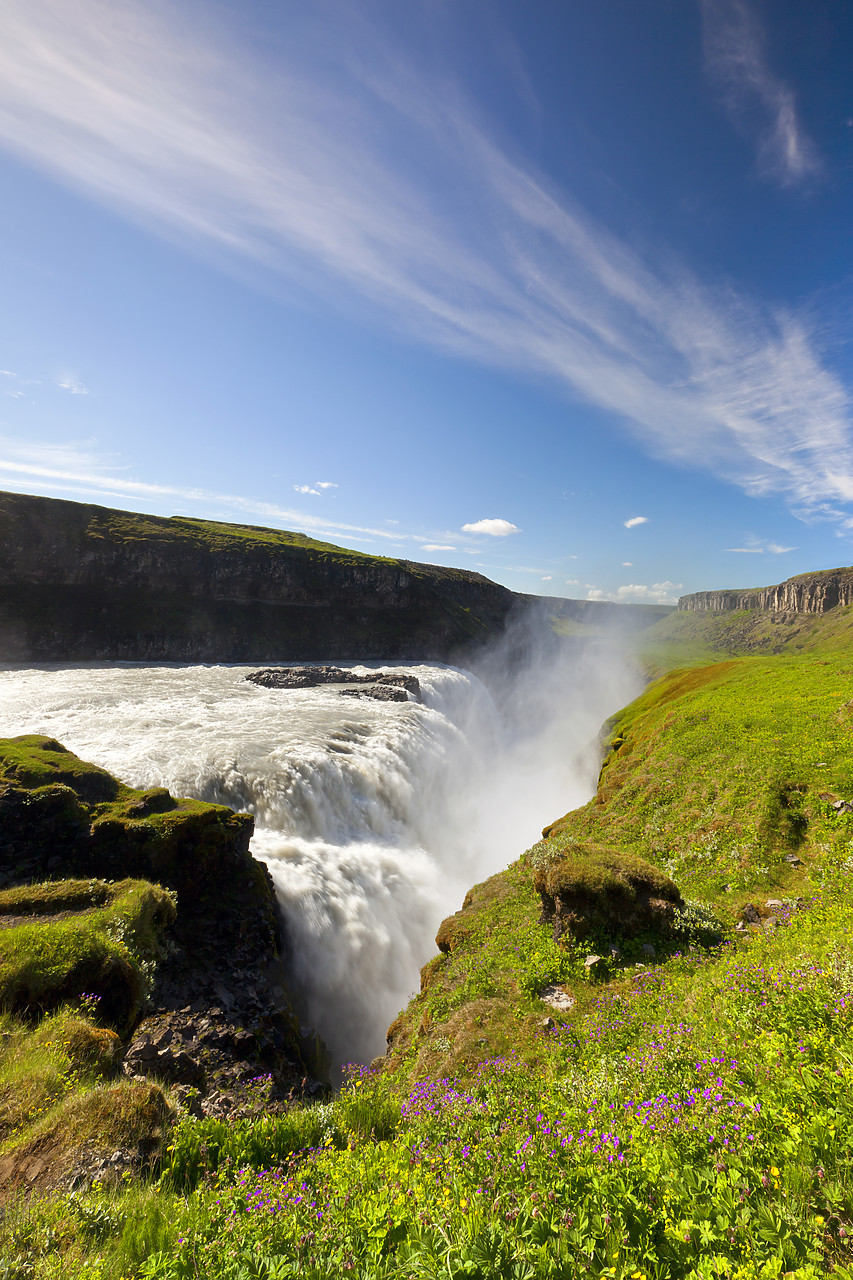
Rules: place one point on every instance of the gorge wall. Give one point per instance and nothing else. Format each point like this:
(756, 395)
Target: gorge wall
(84, 582)
(806, 593)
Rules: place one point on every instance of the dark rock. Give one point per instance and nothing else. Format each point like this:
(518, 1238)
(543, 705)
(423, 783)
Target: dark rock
(386, 687)
(378, 692)
(244, 1043)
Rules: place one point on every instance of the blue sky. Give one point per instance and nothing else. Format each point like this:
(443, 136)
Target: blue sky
(557, 291)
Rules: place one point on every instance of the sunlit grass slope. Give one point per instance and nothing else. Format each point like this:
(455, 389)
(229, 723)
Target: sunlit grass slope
(687, 637)
(717, 774)
(690, 1116)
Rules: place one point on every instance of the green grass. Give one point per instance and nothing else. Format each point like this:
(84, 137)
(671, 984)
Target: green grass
(687, 638)
(716, 774)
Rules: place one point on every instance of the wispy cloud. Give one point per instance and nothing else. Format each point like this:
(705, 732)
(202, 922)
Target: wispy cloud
(437, 546)
(756, 98)
(73, 385)
(327, 180)
(635, 520)
(758, 548)
(627, 564)
(79, 469)
(494, 528)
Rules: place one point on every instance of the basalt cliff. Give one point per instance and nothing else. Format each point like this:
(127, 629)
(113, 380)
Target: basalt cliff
(85, 582)
(80, 583)
(806, 593)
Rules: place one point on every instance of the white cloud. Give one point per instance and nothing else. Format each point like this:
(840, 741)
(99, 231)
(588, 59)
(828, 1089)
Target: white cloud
(494, 528)
(635, 520)
(437, 546)
(316, 488)
(658, 593)
(572, 582)
(627, 564)
(547, 578)
(761, 104)
(638, 593)
(159, 110)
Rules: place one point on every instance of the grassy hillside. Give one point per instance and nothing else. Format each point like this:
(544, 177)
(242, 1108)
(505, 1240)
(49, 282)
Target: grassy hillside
(687, 1112)
(684, 637)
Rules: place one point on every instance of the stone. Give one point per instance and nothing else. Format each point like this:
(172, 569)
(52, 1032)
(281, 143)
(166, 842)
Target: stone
(557, 998)
(387, 687)
(775, 904)
(591, 962)
(648, 951)
(378, 692)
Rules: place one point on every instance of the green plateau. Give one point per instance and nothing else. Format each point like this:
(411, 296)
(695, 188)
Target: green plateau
(632, 1056)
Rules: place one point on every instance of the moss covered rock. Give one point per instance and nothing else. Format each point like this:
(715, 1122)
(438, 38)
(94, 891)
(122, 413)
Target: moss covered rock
(591, 889)
(92, 939)
(60, 816)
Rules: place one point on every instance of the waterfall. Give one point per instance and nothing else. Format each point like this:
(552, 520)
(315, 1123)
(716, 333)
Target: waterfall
(373, 818)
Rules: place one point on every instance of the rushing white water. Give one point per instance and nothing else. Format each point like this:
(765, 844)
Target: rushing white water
(373, 818)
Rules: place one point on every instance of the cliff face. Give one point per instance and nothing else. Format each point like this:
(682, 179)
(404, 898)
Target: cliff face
(86, 582)
(806, 593)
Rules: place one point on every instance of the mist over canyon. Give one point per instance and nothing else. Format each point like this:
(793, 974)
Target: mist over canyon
(373, 818)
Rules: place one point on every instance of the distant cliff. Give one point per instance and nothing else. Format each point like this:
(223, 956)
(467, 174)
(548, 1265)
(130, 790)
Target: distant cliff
(86, 582)
(807, 593)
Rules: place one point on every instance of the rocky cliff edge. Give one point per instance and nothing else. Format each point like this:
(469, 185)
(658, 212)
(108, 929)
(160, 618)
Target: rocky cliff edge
(806, 593)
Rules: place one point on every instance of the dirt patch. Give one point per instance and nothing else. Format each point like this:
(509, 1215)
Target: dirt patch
(43, 917)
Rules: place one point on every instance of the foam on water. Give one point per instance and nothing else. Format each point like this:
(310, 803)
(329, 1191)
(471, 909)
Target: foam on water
(373, 818)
